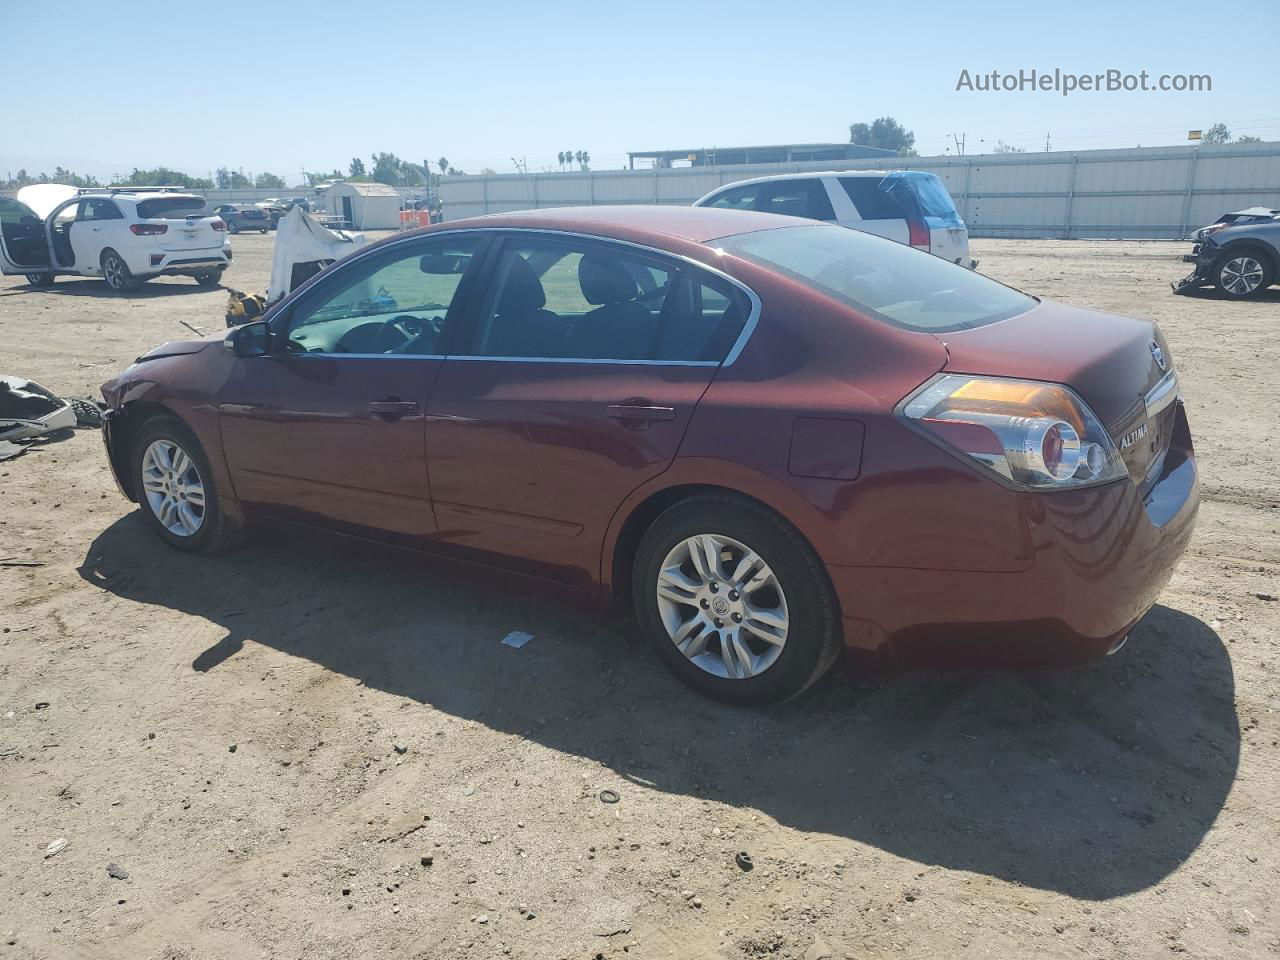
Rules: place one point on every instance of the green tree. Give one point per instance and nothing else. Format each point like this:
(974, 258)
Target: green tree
(268, 181)
(164, 176)
(1218, 133)
(356, 167)
(1002, 147)
(885, 133)
(1248, 139)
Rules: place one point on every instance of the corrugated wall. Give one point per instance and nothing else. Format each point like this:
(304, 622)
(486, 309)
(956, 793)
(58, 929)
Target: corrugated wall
(1144, 192)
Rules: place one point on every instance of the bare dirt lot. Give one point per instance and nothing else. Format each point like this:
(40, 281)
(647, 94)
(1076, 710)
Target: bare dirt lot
(309, 748)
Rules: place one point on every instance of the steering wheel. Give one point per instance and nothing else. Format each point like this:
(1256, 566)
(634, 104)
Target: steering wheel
(401, 330)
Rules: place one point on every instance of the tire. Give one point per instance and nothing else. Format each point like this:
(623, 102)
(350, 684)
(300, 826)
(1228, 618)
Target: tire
(233, 227)
(797, 592)
(40, 279)
(188, 525)
(1242, 273)
(116, 272)
(210, 279)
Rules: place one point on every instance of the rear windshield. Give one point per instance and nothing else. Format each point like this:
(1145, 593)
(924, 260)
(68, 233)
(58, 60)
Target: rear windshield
(930, 195)
(882, 279)
(173, 208)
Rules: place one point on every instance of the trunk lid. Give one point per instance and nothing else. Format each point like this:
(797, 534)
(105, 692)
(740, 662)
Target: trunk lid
(1120, 366)
(189, 219)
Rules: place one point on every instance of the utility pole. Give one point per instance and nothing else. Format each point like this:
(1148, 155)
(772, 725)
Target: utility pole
(959, 141)
(1047, 145)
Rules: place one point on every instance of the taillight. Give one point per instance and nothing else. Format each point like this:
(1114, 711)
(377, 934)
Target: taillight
(218, 225)
(1039, 436)
(148, 229)
(918, 234)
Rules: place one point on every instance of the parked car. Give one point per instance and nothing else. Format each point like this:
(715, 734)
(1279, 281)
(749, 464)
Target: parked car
(1235, 219)
(275, 209)
(240, 217)
(907, 206)
(777, 440)
(125, 236)
(1240, 257)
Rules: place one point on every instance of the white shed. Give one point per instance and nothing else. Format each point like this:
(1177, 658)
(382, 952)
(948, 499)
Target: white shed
(365, 206)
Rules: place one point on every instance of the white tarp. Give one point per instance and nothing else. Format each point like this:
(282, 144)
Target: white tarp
(300, 239)
(43, 197)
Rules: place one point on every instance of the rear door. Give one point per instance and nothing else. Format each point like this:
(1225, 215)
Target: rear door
(23, 246)
(574, 386)
(97, 226)
(328, 428)
(188, 223)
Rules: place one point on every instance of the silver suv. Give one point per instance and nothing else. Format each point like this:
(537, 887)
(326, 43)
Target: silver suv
(1241, 261)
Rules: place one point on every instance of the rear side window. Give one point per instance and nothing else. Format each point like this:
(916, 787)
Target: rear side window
(556, 299)
(100, 210)
(173, 208)
(869, 196)
(882, 279)
(796, 198)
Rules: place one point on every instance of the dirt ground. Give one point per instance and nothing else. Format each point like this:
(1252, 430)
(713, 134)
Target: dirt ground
(306, 748)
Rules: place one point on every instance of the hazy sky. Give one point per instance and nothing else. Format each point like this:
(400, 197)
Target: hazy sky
(268, 86)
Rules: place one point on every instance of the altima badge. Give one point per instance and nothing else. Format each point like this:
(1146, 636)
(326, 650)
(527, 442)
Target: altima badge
(1158, 354)
(1133, 436)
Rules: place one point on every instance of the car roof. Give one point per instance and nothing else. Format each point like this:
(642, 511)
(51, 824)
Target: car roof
(631, 222)
(881, 174)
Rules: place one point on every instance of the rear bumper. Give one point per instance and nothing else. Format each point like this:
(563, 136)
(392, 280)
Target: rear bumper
(1101, 558)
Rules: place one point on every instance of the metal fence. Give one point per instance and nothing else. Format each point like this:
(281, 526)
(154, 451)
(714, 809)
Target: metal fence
(1143, 192)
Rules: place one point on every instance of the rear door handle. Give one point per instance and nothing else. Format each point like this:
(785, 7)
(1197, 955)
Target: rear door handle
(391, 408)
(640, 413)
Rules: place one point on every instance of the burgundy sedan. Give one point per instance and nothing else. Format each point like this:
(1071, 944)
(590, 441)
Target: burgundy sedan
(780, 441)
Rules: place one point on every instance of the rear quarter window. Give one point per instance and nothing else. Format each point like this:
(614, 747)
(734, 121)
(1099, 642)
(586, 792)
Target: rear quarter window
(881, 279)
(173, 208)
(871, 199)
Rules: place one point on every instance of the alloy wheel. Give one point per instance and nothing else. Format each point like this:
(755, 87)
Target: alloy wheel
(173, 488)
(722, 606)
(113, 269)
(1241, 275)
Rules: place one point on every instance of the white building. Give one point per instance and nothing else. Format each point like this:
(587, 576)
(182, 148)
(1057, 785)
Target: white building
(365, 206)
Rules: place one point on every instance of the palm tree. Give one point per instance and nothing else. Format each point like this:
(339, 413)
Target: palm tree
(560, 159)
(586, 160)
(578, 157)
(444, 165)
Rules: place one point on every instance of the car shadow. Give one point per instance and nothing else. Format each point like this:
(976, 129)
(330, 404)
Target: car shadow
(90, 287)
(1270, 295)
(1095, 782)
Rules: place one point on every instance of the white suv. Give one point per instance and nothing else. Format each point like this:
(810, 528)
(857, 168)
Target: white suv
(125, 236)
(904, 205)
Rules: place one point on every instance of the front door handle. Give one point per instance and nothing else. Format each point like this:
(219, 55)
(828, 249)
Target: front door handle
(640, 412)
(392, 408)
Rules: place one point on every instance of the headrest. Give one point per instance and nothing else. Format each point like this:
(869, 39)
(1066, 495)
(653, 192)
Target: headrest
(522, 290)
(605, 280)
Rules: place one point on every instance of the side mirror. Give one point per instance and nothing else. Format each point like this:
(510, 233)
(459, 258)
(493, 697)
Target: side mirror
(247, 340)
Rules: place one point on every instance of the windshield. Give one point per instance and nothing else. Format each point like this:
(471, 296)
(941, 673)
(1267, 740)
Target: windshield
(173, 208)
(882, 279)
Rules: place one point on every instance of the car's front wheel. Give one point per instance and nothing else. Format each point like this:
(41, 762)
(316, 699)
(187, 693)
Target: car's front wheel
(116, 272)
(1241, 274)
(176, 487)
(736, 602)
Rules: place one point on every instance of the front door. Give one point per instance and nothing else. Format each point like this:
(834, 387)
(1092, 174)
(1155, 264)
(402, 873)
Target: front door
(578, 379)
(23, 246)
(328, 428)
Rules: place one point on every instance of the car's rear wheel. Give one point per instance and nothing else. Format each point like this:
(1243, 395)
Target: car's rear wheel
(116, 272)
(176, 487)
(1241, 274)
(40, 279)
(210, 278)
(737, 604)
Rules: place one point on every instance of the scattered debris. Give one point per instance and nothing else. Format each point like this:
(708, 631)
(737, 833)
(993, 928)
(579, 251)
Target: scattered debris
(15, 562)
(1268, 597)
(399, 748)
(609, 796)
(232, 748)
(743, 859)
(196, 330)
(517, 639)
(818, 950)
(428, 860)
(42, 705)
(117, 872)
(55, 847)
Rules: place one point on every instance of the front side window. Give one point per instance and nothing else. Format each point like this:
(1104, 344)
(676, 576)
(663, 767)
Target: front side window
(739, 198)
(553, 299)
(394, 303)
(882, 279)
